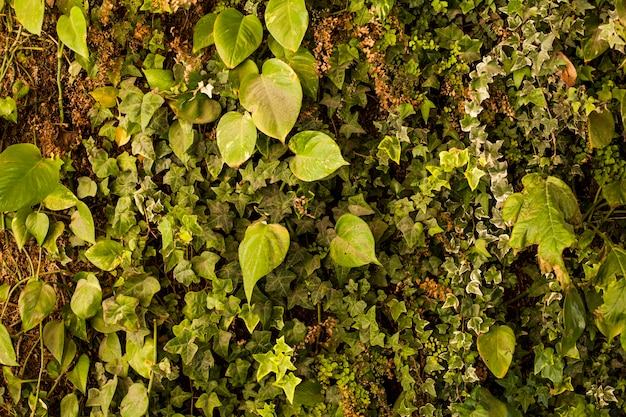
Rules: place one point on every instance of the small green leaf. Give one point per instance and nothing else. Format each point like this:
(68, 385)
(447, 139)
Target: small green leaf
(30, 14)
(106, 254)
(354, 244)
(121, 310)
(573, 319)
(236, 37)
(82, 223)
(78, 375)
(208, 402)
(7, 351)
(287, 21)
(36, 302)
(136, 401)
(595, 46)
(54, 338)
(203, 32)
(263, 248)
(60, 199)
(496, 349)
(106, 96)
(50, 244)
(69, 406)
(87, 297)
(149, 105)
(391, 146)
(198, 108)
(317, 156)
(37, 225)
(288, 384)
(236, 138)
(25, 177)
(601, 126)
(72, 31)
(181, 138)
(159, 79)
(18, 227)
(273, 97)
(8, 109)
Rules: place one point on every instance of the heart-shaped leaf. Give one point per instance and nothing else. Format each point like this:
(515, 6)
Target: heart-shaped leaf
(72, 31)
(273, 97)
(601, 126)
(203, 32)
(30, 14)
(36, 302)
(106, 254)
(317, 155)
(263, 248)
(7, 351)
(82, 223)
(236, 138)
(197, 109)
(136, 401)
(236, 36)
(87, 297)
(181, 137)
(60, 199)
(25, 177)
(54, 338)
(37, 225)
(287, 21)
(354, 244)
(496, 349)
(303, 63)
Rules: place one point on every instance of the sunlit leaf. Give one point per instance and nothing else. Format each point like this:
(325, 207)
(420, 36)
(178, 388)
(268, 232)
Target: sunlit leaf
(263, 248)
(288, 384)
(106, 254)
(391, 146)
(72, 31)
(601, 126)
(60, 199)
(82, 223)
(354, 244)
(304, 64)
(496, 348)
(37, 225)
(121, 310)
(87, 297)
(54, 338)
(136, 401)
(36, 302)
(317, 156)
(287, 21)
(30, 14)
(198, 108)
(141, 358)
(236, 138)
(236, 36)
(7, 351)
(203, 32)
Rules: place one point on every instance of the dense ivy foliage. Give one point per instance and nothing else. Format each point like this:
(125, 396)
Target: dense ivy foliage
(362, 208)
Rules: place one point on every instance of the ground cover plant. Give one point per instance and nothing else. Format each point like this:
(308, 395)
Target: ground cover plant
(290, 208)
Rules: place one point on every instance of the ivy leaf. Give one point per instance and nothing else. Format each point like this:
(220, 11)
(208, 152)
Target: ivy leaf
(542, 215)
(183, 345)
(317, 156)
(135, 403)
(496, 349)
(203, 32)
(25, 177)
(601, 126)
(7, 351)
(236, 138)
(36, 302)
(208, 402)
(120, 310)
(236, 37)
(391, 146)
(87, 297)
(263, 248)
(595, 46)
(354, 244)
(288, 384)
(273, 97)
(287, 21)
(106, 254)
(30, 14)
(150, 103)
(72, 31)
(82, 223)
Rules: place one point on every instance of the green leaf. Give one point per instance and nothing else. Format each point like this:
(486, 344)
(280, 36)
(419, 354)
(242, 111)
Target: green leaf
(288, 384)
(106, 254)
(69, 406)
(54, 338)
(82, 223)
(30, 14)
(87, 297)
(50, 244)
(317, 156)
(120, 310)
(614, 309)
(37, 225)
(7, 351)
(236, 138)
(601, 126)
(136, 401)
(496, 349)
(72, 31)
(198, 108)
(595, 46)
(263, 248)
(106, 96)
(391, 146)
(60, 199)
(303, 63)
(240, 72)
(181, 138)
(273, 97)
(542, 215)
(354, 244)
(78, 375)
(573, 319)
(36, 302)
(149, 105)
(25, 177)
(208, 402)
(183, 345)
(160, 79)
(18, 227)
(236, 37)
(287, 21)
(8, 109)
(203, 32)
(141, 357)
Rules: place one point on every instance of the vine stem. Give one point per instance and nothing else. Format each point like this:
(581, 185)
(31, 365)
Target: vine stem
(59, 87)
(41, 366)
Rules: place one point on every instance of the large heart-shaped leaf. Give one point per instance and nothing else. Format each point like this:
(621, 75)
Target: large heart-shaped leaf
(30, 14)
(72, 31)
(106, 254)
(87, 297)
(263, 248)
(7, 351)
(354, 244)
(601, 127)
(496, 349)
(25, 177)
(287, 21)
(236, 138)
(203, 32)
(317, 155)
(236, 36)
(36, 302)
(273, 97)
(303, 63)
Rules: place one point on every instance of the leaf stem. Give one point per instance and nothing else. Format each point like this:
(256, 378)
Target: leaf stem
(41, 366)
(59, 86)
